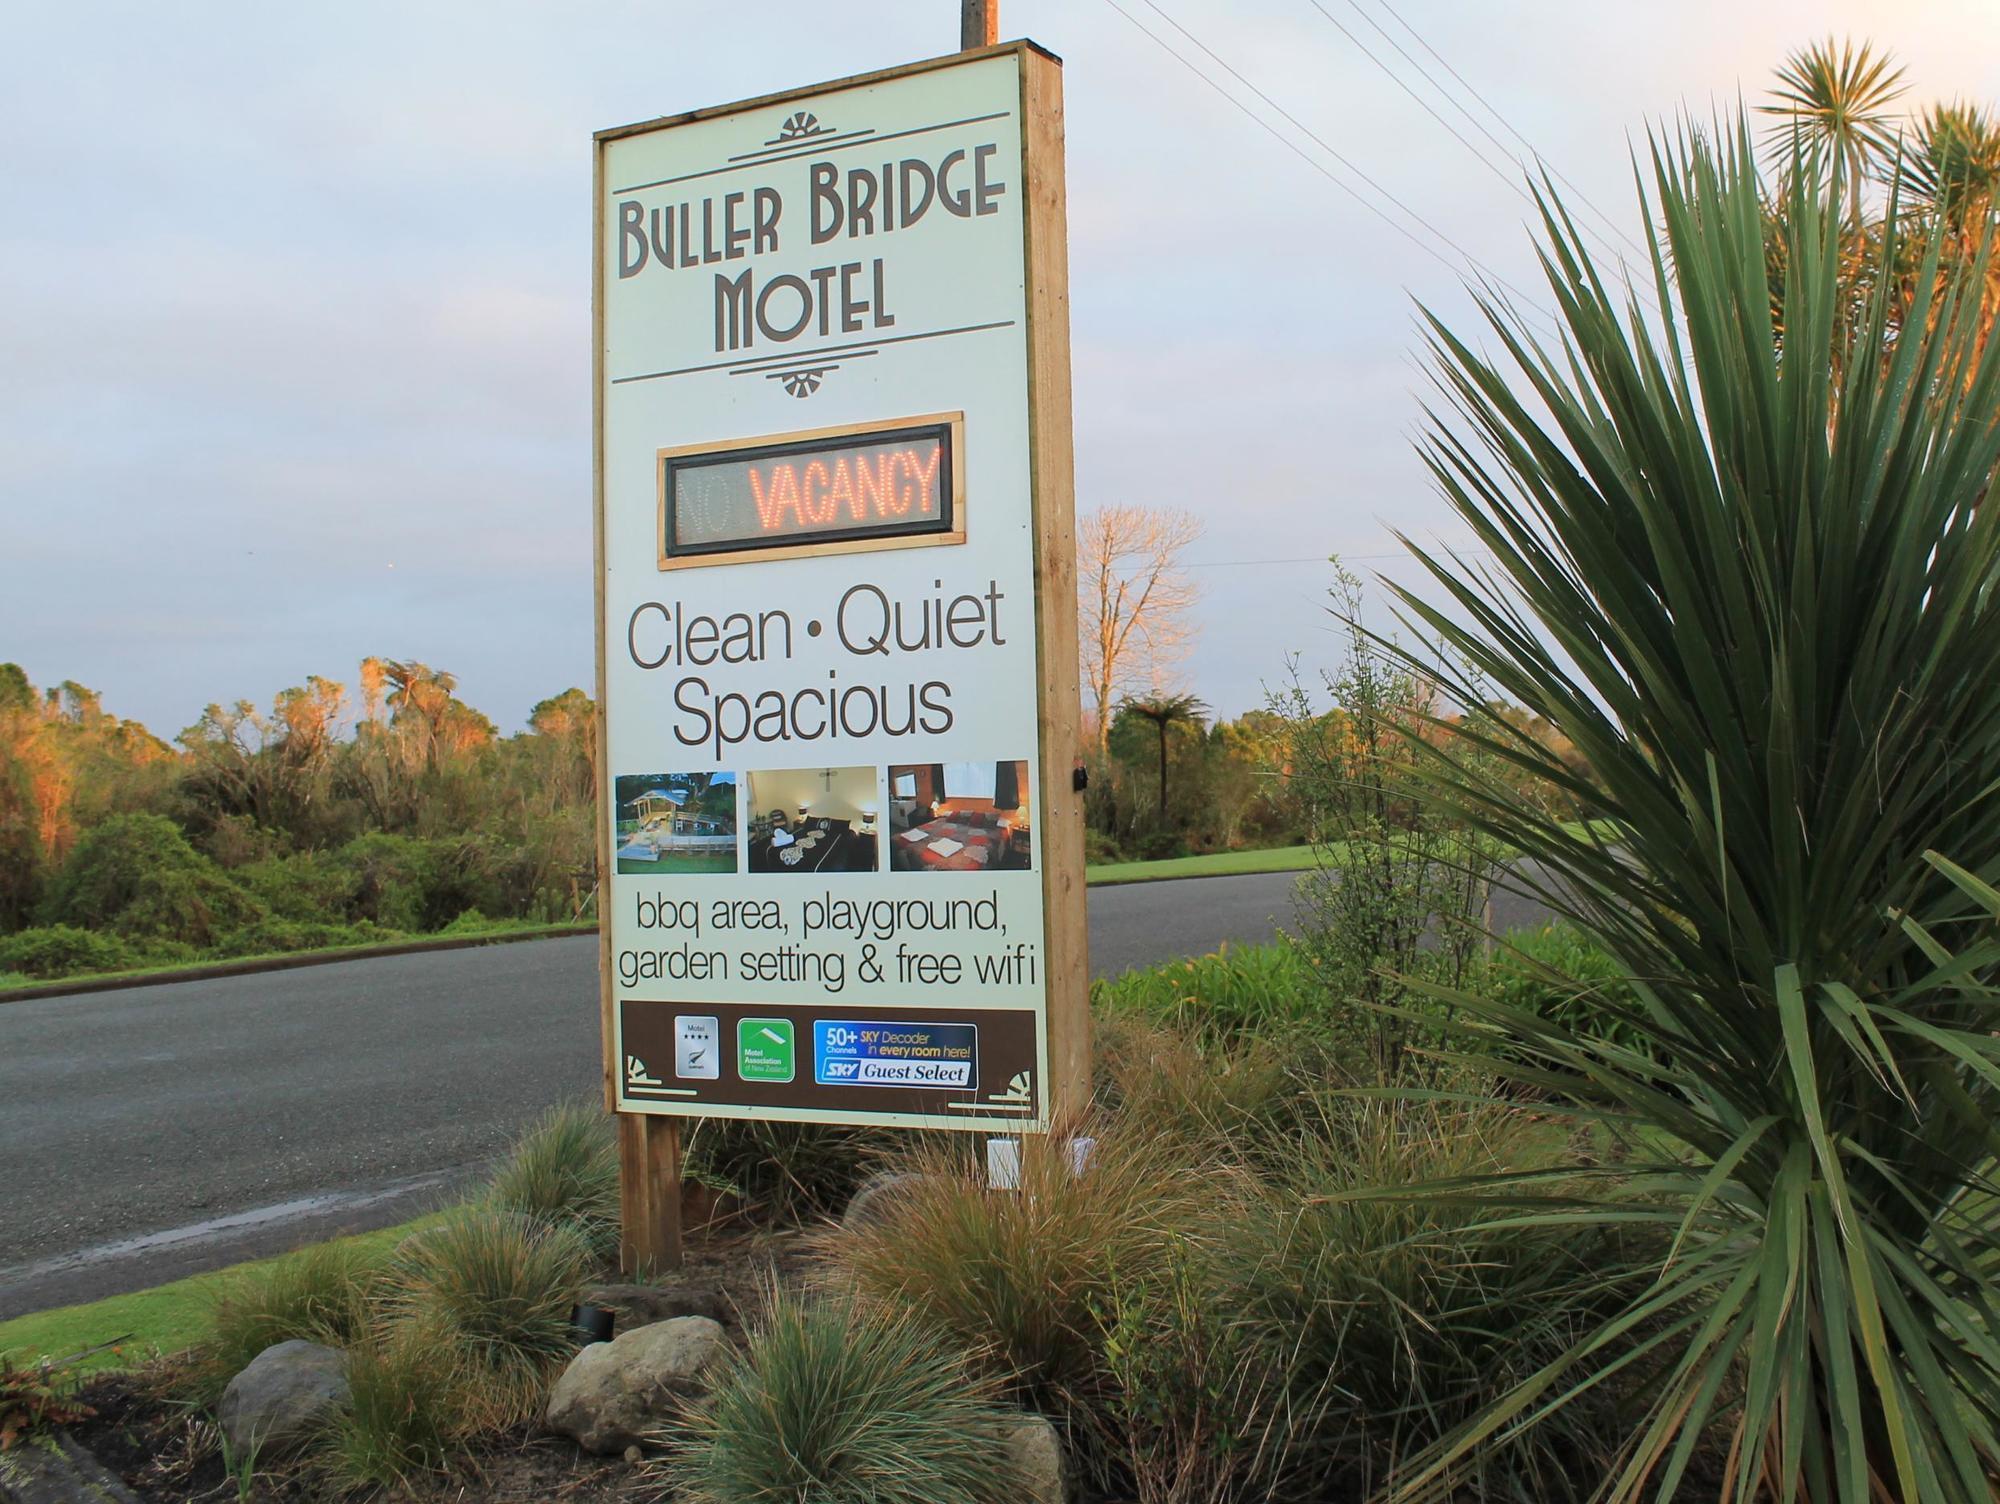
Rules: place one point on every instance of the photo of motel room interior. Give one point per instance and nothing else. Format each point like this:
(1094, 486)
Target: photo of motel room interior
(814, 820)
(960, 817)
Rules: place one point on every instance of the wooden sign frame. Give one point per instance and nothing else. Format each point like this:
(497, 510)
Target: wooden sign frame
(649, 1144)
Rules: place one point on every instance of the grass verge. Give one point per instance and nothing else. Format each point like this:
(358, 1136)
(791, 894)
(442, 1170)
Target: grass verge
(13, 985)
(166, 1318)
(1217, 864)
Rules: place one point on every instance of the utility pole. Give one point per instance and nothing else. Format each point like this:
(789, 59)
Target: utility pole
(978, 23)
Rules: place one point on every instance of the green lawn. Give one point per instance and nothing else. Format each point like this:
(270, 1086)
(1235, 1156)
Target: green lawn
(1219, 864)
(164, 1319)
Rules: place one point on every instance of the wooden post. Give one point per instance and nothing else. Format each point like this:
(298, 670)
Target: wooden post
(1052, 489)
(649, 1187)
(978, 24)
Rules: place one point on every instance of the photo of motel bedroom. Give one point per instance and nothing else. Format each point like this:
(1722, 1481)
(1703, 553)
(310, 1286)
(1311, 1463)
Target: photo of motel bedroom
(814, 820)
(960, 817)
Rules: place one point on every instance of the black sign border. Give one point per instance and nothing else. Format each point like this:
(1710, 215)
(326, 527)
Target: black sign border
(947, 528)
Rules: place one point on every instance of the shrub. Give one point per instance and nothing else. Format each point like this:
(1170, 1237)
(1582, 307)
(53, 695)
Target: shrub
(321, 1293)
(493, 1290)
(403, 1413)
(839, 1403)
(308, 886)
(1762, 607)
(62, 950)
(1229, 993)
(563, 1171)
(406, 883)
(1100, 849)
(1558, 973)
(792, 1171)
(1393, 1313)
(136, 874)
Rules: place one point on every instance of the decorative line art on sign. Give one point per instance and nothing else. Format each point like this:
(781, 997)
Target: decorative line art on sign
(804, 123)
(636, 1073)
(801, 383)
(1018, 1097)
(641, 1082)
(848, 351)
(808, 146)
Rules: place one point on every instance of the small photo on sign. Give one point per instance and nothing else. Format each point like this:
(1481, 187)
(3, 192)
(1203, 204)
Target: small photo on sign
(816, 821)
(672, 824)
(960, 817)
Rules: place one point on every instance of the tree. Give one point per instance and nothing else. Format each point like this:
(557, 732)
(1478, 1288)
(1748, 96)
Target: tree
(1936, 174)
(1752, 583)
(1134, 603)
(1165, 712)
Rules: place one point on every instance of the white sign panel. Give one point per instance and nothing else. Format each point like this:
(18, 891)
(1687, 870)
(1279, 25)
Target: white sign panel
(823, 802)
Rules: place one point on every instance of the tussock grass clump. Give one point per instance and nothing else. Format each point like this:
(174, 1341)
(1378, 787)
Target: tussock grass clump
(1024, 1274)
(563, 1171)
(835, 1402)
(1244, 1097)
(321, 1293)
(407, 1410)
(1394, 1311)
(492, 1291)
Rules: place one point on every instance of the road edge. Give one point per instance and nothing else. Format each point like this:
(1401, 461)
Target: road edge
(293, 962)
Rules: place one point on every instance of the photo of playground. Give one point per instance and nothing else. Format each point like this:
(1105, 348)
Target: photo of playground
(816, 820)
(960, 817)
(674, 823)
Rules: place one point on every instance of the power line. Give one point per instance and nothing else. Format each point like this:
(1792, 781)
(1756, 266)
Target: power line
(1472, 262)
(1457, 135)
(1326, 147)
(1488, 106)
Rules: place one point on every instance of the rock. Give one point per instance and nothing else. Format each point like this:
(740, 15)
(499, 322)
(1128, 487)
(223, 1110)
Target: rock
(634, 1456)
(55, 1469)
(614, 1392)
(286, 1394)
(1036, 1452)
(646, 1305)
(872, 1202)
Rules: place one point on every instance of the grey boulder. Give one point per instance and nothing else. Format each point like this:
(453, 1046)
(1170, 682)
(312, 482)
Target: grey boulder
(1036, 1453)
(286, 1394)
(877, 1197)
(614, 1393)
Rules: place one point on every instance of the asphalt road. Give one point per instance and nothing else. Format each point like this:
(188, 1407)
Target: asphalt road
(156, 1132)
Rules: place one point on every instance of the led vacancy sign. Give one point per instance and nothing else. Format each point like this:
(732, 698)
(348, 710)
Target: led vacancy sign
(881, 485)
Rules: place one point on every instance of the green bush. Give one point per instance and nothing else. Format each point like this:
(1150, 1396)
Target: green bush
(840, 1403)
(322, 1293)
(1228, 994)
(407, 883)
(494, 1290)
(1100, 849)
(313, 887)
(270, 937)
(136, 875)
(1558, 973)
(563, 1171)
(63, 950)
(1395, 1312)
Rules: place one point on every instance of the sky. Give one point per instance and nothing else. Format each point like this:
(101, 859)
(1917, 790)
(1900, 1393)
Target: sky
(295, 300)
